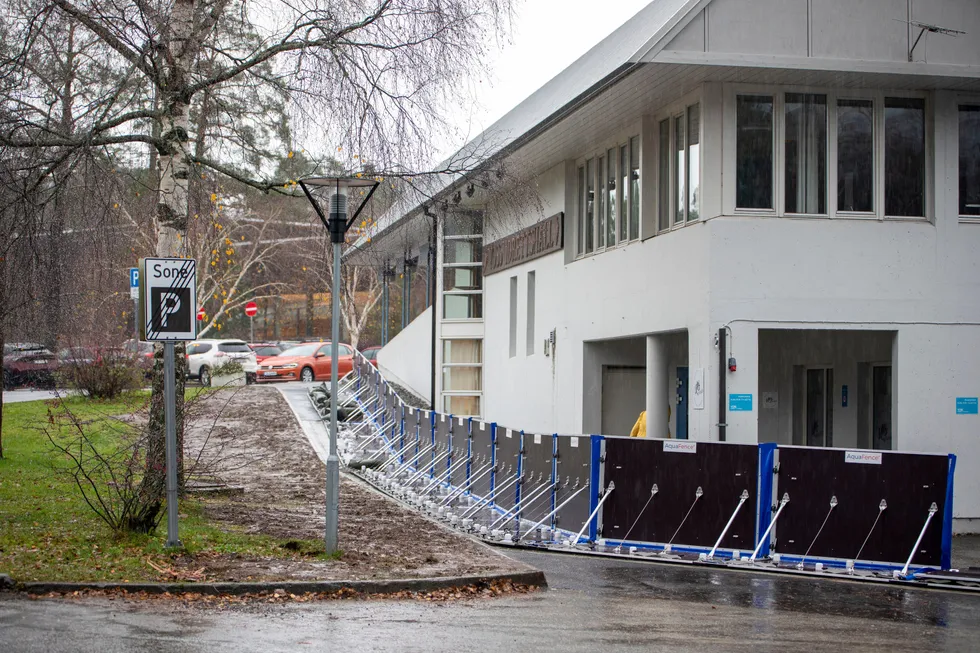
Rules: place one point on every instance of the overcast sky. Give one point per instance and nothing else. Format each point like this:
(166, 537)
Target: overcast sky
(548, 35)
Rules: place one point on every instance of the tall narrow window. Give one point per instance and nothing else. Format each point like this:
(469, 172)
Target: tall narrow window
(580, 247)
(530, 313)
(753, 152)
(611, 198)
(634, 187)
(693, 162)
(969, 160)
(855, 156)
(663, 174)
(680, 170)
(806, 153)
(624, 195)
(601, 217)
(513, 317)
(589, 206)
(905, 157)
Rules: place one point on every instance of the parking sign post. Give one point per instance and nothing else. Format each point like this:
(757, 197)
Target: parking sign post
(167, 312)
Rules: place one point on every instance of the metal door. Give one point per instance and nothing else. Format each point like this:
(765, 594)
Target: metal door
(680, 409)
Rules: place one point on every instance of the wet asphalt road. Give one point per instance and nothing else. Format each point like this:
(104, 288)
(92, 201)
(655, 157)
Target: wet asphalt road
(592, 605)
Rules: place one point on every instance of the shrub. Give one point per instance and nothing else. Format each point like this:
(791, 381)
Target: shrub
(104, 376)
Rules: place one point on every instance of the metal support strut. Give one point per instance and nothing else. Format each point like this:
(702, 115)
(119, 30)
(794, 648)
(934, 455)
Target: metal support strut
(605, 495)
(933, 509)
(782, 504)
(742, 499)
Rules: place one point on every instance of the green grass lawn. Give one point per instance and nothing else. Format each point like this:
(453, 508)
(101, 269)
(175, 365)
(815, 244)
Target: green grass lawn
(48, 532)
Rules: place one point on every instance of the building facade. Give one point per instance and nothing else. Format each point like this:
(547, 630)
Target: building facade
(770, 213)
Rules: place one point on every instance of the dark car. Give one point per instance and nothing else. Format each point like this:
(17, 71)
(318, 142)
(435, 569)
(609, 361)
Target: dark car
(264, 350)
(25, 364)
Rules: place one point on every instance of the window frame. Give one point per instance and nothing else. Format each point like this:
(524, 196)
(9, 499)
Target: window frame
(600, 152)
(959, 101)
(462, 393)
(877, 97)
(671, 113)
(480, 239)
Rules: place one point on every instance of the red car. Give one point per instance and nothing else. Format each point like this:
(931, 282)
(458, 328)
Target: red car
(309, 361)
(264, 350)
(28, 364)
(371, 354)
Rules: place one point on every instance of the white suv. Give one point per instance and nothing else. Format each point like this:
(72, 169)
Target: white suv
(203, 356)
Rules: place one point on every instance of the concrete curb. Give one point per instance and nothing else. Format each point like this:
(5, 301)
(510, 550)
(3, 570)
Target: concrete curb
(535, 578)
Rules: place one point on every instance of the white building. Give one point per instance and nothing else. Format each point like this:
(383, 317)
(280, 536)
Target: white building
(802, 176)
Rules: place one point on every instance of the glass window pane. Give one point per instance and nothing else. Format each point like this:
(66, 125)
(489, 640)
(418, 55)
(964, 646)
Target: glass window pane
(905, 157)
(970, 160)
(462, 351)
(855, 155)
(680, 194)
(601, 169)
(611, 198)
(463, 251)
(581, 211)
(694, 162)
(806, 153)
(589, 205)
(462, 278)
(462, 307)
(664, 175)
(461, 406)
(753, 152)
(464, 224)
(456, 379)
(624, 195)
(634, 187)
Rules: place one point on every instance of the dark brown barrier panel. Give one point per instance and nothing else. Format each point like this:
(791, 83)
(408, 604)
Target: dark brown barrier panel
(909, 484)
(679, 467)
(482, 455)
(508, 448)
(460, 427)
(538, 459)
(574, 470)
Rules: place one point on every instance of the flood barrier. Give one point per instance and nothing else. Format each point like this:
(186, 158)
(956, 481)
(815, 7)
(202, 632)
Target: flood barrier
(804, 508)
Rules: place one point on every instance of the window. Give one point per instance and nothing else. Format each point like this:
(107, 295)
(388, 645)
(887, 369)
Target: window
(664, 175)
(679, 168)
(905, 157)
(679, 177)
(694, 162)
(234, 347)
(608, 210)
(580, 247)
(634, 187)
(611, 198)
(589, 205)
(624, 195)
(462, 268)
(753, 152)
(969, 160)
(855, 156)
(530, 313)
(198, 348)
(462, 376)
(601, 169)
(513, 317)
(805, 158)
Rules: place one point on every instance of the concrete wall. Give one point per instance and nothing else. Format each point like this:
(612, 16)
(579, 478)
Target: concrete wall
(857, 30)
(407, 358)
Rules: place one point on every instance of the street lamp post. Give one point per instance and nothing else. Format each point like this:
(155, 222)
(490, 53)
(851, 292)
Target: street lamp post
(337, 224)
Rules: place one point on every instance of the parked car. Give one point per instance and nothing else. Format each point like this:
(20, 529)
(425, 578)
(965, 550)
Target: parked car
(28, 364)
(309, 361)
(264, 350)
(142, 352)
(203, 356)
(371, 354)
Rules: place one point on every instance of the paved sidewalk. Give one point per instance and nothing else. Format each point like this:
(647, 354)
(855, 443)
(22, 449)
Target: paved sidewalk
(298, 397)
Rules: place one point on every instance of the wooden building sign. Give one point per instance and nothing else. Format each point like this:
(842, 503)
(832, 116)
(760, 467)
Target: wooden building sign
(526, 245)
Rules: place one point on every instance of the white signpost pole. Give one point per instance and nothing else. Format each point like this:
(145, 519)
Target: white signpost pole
(168, 299)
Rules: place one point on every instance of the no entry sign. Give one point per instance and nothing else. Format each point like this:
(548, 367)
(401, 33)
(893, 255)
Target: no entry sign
(168, 299)
(251, 309)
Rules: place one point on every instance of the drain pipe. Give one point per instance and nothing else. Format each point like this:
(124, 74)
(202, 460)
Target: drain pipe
(722, 383)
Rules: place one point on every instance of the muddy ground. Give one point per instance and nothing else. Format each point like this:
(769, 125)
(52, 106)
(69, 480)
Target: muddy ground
(249, 439)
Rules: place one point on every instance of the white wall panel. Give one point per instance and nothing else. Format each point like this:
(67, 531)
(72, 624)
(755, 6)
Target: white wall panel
(777, 27)
(868, 30)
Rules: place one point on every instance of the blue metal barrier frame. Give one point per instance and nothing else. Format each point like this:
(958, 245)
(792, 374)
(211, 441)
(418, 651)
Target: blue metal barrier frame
(764, 500)
(595, 483)
(946, 558)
